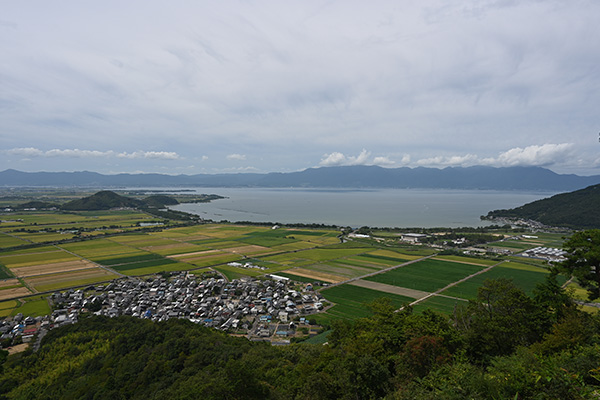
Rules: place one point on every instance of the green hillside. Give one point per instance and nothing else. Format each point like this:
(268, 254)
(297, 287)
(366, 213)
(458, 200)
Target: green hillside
(578, 209)
(160, 200)
(104, 200)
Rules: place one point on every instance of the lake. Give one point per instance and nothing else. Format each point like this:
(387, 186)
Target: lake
(357, 207)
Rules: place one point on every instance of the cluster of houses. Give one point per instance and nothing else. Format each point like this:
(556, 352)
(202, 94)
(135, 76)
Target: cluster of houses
(546, 253)
(267, 309)
(20, 329)
(246, 265)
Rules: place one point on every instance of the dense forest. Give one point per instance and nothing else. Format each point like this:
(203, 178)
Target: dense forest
(504, 344)
(578, 209)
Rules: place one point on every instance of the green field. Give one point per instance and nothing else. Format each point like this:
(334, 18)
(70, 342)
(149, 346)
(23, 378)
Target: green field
(36, 258)
(351, 300)
(427, 275)
(6, 307)
(33, 307)
(5, 272)
(524, 276)
(444, 305)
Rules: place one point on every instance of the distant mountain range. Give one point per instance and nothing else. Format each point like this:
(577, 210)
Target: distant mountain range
(478, 177)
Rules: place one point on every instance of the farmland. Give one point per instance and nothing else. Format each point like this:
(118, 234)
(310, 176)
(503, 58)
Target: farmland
(44, 251)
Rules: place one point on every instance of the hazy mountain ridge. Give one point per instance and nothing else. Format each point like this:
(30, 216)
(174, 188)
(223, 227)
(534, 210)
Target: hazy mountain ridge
(478, 177)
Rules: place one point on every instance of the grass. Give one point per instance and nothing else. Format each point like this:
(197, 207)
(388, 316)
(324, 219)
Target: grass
(229, 273)
(6, 307)
(321, 338)
(5, 272)
(34, 307)
(440, 304)
(427, 275)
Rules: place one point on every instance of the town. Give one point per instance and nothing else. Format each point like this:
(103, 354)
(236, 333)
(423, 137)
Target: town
(273, 309)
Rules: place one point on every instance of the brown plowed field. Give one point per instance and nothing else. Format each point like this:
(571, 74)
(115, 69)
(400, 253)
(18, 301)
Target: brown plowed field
(51, 268)
(9, 282)
(14, 292)
(70, 277)
(382, 287)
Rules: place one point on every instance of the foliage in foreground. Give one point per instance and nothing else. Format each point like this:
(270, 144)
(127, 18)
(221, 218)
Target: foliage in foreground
(502, 345)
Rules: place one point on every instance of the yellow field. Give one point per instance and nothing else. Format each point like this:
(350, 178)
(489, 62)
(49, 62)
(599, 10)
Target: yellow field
(321, 276)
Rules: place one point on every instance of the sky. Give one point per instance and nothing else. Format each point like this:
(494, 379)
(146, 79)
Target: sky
(190, 87)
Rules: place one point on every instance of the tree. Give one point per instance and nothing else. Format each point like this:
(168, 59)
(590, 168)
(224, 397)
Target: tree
(500, 319)
(583, 260)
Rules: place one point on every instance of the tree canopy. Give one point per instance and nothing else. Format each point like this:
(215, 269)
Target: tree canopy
(583, 260)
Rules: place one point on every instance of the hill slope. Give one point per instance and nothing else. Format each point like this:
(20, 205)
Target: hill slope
(578, 209)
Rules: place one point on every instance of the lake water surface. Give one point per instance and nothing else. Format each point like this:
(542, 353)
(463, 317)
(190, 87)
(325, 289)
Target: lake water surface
(357, 207)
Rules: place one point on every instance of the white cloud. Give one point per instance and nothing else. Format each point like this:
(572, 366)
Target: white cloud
(77, 153)
(239, 157)
(383, 161)
(446, 161)
(337, 158)
(535, 155)
(332, 159)
(544, 155)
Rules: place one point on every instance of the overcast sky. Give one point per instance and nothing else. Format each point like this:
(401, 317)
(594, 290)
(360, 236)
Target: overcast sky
(190, 87)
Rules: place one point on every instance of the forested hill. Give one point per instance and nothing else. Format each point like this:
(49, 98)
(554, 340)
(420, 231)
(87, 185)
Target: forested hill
(106, 200)
(357, 176)
(503, 345)
(578, 209)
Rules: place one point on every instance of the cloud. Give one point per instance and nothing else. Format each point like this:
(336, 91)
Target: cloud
(239, 157)
(77, 153)
(383, 161)
(439, 161)
(535, 155)
(544, 155)
(337, 158)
